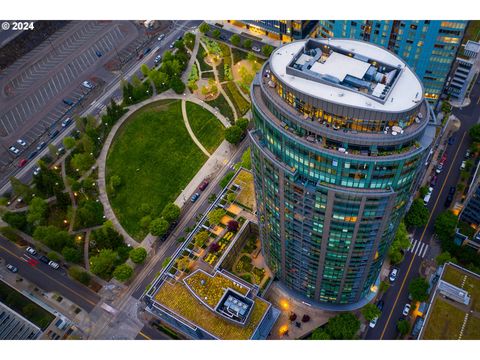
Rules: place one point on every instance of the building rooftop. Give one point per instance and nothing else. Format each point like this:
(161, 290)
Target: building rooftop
(348, 72)
(472, 46)
(454, 311)
(13, 326)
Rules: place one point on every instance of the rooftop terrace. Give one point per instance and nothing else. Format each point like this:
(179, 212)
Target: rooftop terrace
(349, 72)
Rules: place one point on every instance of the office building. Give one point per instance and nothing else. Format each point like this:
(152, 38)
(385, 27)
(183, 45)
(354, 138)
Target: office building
(341, 131)
(284, 30)
(429, 47)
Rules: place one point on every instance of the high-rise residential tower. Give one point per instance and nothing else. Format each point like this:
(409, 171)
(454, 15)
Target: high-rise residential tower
(284, 30)
(341, 131)
(429, 47)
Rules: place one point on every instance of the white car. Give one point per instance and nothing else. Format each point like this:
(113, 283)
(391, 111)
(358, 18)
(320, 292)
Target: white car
(406, 309)
(13, 150)
(158, 58)
(463, 166)
(87, 84)
(393, 275)
(256, 49)
(66, 122)
(22, 142)
(53, 264)
(36, 171)
(31, 251)
(373, 322)
(160, 38)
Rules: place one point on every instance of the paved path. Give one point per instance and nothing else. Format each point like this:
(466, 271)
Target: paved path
(193, 57)
(85, 249)
(189, 129)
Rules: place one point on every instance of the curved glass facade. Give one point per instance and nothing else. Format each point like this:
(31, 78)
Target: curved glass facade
(329, 199)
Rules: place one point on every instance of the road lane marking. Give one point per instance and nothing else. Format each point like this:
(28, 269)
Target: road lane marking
(422, 236)
(419, 249)
(145, 336)
(51, 278)
(425, 251)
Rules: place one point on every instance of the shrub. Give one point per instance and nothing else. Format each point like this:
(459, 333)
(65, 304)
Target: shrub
(232, 225)
(71, 254)
(123, 272)
(79, 274)
(138, 255)
(214, 247)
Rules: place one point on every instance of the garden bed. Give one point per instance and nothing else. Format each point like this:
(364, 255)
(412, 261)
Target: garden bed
(241, 104)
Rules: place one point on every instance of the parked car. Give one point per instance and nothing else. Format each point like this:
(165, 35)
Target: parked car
(393, 275)
(66, 122)
(36, 171)
(433, 182)
(22, 163)
(373, 323)
(443, 159)
(12, 268)
(32, 154)
(467, 154)
(406, 309)
(203, 185)
(158, 58)
(140, 56)
(256, 49)
(426, 199)
(160, 37)
(31, 251)
(223, 38)
(14, 150)
(439, 168)
(41, 145)
(68, 102)
(194, 197)
(172, 45)
(451, 140)
(463, 165)
(98, 53)
(44, 259)
(53, 265)
(60, 150)
(22, 142)
(87, 84)
(380, 305)
(53, 134)
(146, 51)
(449, 199)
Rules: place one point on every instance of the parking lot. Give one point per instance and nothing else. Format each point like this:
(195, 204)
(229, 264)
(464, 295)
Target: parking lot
(35, 86)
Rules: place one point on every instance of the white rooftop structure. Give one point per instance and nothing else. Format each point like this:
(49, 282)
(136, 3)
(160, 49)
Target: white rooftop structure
(405, 93)
(339, 65)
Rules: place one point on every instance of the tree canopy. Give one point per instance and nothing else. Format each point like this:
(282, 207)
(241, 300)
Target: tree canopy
(37, 211)
(235, 39)
(103, 263)
(233, 134)
(343, 326)
(215, 216)
(417, 215)
(171, 212)
(370, 312)
(159, 227)
(204, 28)
(138, 255)
(201, 238)
(123, 272)
(474, 133)
(418, 289)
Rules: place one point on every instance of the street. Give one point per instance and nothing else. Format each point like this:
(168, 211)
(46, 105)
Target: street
(396, 296)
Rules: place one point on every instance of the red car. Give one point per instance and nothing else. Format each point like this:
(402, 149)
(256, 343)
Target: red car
(203, 185)
(22, 163)
(444, 158)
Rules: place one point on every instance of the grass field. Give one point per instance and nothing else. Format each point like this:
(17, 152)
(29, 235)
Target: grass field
(207, 128)
(155, 158)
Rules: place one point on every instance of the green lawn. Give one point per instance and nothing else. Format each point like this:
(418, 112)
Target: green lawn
(155, 158)
(207, 128)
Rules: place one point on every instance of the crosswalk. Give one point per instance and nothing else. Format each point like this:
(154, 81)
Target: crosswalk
(418, 248)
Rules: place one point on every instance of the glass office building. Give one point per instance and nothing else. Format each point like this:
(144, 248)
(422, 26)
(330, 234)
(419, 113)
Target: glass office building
(341, 130)
(429, 47)
(284, 30)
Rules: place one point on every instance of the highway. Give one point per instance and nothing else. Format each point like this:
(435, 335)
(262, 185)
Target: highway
(47, 278)
(396, 296)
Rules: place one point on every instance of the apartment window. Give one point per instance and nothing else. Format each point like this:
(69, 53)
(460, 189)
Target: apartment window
(413, 27)
(353, 23)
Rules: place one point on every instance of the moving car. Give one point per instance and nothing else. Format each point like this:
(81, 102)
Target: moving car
(13, 150)
(53, 265)
(22, 162)
(66, 122)
(31, 251)
(194, 197)
(12, 268)
(406, 309)
(87, 84)
(393, 275)
(22, 142)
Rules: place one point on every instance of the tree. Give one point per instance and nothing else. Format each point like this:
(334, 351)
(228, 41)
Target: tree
(145, 221)
(71, 254)
(79, 274)
(242, 123)
(159, 227)
(383, 286)
(69, 142)
(214, 247)
(55, 238)
(267, 50)
(145, 209)
(417, 215)
(90, 213)
(395, 256)
(418, 289)
(107, 237)
(114, 183)
(233, 134)
(20, 189)
(103, 263)
(201, 238)
(445, 257)
(320, 334)
(177, 85)
(145, 70)
(370, 312)
(82, 161)
(247, 44)
(232, 225)
(37, 211)
(235, 39)
(47, 181)
(138, 255)
(204, 28)
(423, 191)
(183, 263)
(474, 133)
(16, 220)
(215, 216)
(123, 272)
(216, 33)
(445, 226)
(52, 255)
(231, 197)
(171, 212)
(343, 326)
(403, 327)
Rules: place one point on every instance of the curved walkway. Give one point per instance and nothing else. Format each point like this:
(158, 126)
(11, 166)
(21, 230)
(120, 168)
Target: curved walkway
(189, 129)
(102, 158)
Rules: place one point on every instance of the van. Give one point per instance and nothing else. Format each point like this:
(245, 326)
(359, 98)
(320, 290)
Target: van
(426, 199)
